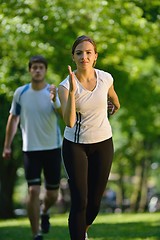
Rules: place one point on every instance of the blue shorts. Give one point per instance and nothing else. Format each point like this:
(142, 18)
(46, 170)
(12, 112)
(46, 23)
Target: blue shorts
(48, 162)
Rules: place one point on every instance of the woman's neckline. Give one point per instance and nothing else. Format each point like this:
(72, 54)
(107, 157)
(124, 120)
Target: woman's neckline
(91, 86)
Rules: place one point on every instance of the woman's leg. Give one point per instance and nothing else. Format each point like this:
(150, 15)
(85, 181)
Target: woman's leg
(76, 164)
(99, 166)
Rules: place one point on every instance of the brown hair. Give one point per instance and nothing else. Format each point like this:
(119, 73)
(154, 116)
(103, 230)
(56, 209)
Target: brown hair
(37, 59)
(82, 39)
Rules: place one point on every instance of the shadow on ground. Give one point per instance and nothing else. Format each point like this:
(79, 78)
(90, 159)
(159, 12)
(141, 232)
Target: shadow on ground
(99, 231)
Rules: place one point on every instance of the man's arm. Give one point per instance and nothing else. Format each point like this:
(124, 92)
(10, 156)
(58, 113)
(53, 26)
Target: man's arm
(11, 130)
(55, 98)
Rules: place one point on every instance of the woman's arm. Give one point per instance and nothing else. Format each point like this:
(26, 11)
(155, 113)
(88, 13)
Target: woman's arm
(67, 99)
(114, 98)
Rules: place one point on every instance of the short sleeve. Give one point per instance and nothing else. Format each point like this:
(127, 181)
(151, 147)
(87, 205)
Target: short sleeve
(15, 106)
(105, 77)
(65, 83)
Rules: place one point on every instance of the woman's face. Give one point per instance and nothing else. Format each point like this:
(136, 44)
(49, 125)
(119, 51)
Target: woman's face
(84, 55)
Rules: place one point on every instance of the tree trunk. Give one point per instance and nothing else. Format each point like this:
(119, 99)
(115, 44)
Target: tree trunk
(121, 195)
(138, 199)
(7, 183)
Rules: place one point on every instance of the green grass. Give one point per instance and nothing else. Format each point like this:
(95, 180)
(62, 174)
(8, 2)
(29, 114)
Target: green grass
(106, 227)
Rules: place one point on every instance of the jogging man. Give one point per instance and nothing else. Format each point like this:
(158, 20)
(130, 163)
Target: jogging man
(36, 107)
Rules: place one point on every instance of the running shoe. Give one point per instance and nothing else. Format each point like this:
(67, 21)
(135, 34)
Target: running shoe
(45, 224)
(86, 237)
(38, 237)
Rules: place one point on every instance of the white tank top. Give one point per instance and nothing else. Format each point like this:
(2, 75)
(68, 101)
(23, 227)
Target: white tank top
(92, 124)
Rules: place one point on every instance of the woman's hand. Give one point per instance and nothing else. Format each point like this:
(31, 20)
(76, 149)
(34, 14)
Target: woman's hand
(71, 80)
(111, 107)
(67, 98)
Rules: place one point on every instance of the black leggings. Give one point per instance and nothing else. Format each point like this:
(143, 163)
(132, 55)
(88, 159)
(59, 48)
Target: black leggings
(88, 167)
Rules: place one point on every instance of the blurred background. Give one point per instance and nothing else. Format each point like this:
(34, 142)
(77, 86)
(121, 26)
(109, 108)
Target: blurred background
(127, 34)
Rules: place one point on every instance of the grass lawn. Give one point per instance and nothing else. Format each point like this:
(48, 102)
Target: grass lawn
(106, 227)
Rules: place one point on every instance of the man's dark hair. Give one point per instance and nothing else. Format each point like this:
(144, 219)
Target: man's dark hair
(37, 59)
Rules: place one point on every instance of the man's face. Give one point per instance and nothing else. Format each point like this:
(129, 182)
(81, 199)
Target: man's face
(38, 72)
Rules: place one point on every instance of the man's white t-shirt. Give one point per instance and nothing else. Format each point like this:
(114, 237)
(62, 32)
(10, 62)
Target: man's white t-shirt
(92, 124)
(38, 118)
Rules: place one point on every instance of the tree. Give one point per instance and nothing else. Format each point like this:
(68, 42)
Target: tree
(127, 35)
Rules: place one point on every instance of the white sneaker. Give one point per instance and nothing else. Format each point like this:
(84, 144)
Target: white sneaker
(86, 237)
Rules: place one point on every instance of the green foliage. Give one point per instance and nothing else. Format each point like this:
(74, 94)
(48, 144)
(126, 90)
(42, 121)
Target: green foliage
(127, 34)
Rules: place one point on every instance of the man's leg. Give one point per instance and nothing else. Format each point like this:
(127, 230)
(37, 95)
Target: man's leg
(50, 197)
(33, 208)
(52, 169)
(33, 167)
